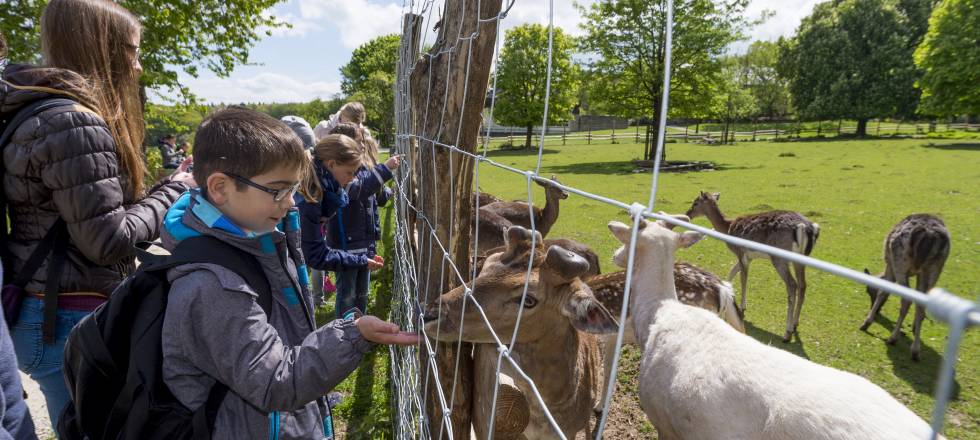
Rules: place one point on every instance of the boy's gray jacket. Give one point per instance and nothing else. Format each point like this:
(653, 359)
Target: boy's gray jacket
(278, 369)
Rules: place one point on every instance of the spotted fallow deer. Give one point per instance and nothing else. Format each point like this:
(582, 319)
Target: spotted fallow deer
(556, 346)
(786, 230)
(701, 379)
(917, 246)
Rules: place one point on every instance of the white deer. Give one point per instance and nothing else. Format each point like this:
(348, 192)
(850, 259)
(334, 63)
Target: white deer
(702, 379)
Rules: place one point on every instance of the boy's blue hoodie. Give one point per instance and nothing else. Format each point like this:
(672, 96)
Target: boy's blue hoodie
(277, 366)
(352, 214)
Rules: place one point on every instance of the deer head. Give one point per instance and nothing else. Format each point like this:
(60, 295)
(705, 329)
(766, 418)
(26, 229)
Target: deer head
(553, 190)
(556, 297)
(703, 203)
(654, 240)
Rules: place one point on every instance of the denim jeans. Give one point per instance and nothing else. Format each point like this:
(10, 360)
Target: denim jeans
(316, 287)
(42, 362)
(352, 290)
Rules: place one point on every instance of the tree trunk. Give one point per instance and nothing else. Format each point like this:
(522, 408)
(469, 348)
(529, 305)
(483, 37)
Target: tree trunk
(862, 127)
(527, 137)
(450, 84)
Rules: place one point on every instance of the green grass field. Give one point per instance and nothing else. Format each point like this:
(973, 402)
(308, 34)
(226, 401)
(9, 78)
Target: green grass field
(855, 189)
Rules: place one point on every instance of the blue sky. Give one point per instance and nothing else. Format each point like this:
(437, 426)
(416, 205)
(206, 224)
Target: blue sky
(302, 63)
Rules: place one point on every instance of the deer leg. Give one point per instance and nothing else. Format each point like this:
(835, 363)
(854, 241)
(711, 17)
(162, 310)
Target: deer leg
(898, 322)
(801, 286)
(782, 268)
(923, 283)
(743, 275)
(875, 308)
(735, 269)
(904, 310)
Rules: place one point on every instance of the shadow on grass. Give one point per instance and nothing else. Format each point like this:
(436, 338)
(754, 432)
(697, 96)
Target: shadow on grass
(959, 146)
(615, 167)
(921, 375)
(492, 153)
(794, 346)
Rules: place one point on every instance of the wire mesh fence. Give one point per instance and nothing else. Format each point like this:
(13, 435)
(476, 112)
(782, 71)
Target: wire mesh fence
(426, 243)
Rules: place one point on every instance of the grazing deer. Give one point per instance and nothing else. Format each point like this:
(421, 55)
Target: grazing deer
(701, 379)
(917, 246)
(555, 346)
(518, 214)
(785, 230)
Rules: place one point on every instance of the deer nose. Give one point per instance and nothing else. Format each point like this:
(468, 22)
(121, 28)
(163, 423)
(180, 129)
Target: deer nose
(430, 315)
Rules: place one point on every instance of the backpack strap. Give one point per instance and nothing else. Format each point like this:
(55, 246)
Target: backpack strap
(205, 249)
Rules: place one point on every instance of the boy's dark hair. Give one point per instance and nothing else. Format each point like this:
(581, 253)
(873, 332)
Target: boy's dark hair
(245, 142)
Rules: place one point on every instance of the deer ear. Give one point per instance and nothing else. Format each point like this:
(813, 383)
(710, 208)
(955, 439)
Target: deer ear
(716, 196)
(688, 238)
(566, 263)
(621, 231)
(587, 314)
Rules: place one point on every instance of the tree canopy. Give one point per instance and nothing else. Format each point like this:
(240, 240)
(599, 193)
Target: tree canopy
(852, 59)
(950, 60)
(369, 77)
(185, 35)
(626, 40)
(522, 78)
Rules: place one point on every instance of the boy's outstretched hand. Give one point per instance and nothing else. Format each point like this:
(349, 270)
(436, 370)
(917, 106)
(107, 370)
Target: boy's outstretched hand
(382, 332)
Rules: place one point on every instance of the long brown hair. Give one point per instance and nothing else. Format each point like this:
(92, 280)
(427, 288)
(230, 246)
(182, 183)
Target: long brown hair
(94, 38)
(336, 147)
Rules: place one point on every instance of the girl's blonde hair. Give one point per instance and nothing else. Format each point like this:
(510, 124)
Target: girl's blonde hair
(369, 148)
(353, 112)
(94, 38)
(339, 148)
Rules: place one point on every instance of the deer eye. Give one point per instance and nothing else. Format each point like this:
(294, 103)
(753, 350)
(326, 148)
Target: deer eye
(528, 303)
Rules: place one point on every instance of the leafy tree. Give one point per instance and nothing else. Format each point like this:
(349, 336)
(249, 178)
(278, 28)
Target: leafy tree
(627, 41)
(735, 98)
(758, 73)
(851, 59)
(950, 83)
(522, 74)
(177, 34)
(369, 77)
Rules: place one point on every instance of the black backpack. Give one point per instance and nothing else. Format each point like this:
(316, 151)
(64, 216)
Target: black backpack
(113, 357)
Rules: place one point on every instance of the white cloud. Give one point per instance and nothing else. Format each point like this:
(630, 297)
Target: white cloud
(357, 21)
(264, 87)
(300, 27)
(789, 14)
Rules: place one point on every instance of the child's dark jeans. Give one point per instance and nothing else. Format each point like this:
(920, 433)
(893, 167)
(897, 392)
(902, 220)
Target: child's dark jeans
(352, 290)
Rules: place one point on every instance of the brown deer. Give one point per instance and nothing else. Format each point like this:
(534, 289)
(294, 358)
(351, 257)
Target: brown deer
(518, 214)
(785, 230)
(555, 346)
(917, 246)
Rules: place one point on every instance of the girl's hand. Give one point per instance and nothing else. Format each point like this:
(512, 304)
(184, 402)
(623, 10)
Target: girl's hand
(382, 332)
(375, 263)
(393, 162)
(183, 173)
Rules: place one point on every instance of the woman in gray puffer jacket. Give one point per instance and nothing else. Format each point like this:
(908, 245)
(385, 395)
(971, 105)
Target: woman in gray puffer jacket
(81, 166)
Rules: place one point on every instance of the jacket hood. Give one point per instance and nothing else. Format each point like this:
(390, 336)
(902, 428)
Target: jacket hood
(23, 83)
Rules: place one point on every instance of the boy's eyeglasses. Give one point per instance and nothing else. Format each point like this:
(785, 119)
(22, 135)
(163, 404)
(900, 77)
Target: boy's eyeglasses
(278, 195)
